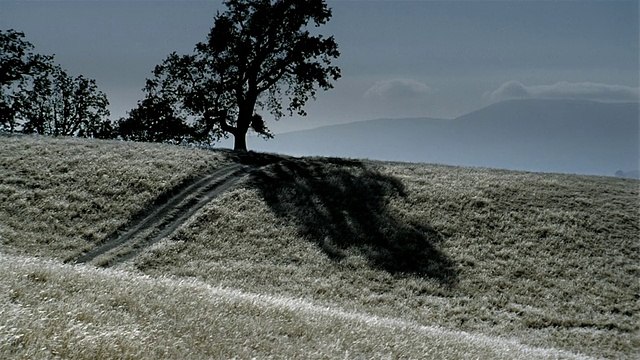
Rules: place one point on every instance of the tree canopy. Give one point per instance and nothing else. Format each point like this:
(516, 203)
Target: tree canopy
(259, 55)
(38, 96)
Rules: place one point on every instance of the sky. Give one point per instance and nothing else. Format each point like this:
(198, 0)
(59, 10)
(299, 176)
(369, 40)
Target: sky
(399, 59)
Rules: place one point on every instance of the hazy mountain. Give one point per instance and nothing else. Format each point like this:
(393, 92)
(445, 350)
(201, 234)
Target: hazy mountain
(567, 136)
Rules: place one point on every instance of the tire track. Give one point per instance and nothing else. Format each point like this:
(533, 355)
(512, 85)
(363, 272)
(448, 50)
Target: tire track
(162, 220)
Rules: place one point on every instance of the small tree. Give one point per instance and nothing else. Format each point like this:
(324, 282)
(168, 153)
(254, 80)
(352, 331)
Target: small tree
(154, 120)
(17, 64)
(259, 54)
(55, 103)
(16, 58)
(38, 96)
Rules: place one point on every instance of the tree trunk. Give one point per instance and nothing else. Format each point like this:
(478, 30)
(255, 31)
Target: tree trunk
(240, 141)
(245, 115)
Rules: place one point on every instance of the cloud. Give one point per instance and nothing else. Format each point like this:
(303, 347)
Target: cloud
(398, 89)
(565, 90)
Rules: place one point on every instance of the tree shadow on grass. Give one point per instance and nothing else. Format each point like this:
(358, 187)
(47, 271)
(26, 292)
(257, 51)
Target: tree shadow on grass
(343, 205)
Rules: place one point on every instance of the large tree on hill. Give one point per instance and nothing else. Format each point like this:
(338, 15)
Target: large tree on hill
(260, 54)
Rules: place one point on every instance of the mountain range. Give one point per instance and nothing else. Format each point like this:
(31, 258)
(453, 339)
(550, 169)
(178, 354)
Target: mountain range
(565, 136)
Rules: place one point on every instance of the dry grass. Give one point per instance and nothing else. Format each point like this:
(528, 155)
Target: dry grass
(60, 197)
(49, 310)
(551, 260)
(317, 258)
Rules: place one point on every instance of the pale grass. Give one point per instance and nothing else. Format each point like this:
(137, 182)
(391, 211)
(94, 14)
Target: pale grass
(543, 260)
(50, 310)
(59, 197)
(551, 260)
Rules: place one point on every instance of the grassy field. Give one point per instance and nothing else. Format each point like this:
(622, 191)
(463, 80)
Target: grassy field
(60, 197)
(316, 258)
(51, 310)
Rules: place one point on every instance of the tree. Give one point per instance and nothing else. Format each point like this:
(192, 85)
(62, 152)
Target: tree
(154, 120)
(16, 58)
(38, 96)
(260, 54)
(55, 103)
(17, 64)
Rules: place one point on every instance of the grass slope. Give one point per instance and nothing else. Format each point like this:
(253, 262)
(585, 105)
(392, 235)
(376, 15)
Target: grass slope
(316, 257)
(60, 197)
(59, 311)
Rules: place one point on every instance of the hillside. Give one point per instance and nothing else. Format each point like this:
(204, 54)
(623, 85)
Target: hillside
(312, 257)
(566, 136)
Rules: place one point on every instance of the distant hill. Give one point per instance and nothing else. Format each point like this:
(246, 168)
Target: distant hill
(567, 136)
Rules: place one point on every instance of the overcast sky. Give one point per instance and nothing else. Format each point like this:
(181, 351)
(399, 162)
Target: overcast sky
(399, 59)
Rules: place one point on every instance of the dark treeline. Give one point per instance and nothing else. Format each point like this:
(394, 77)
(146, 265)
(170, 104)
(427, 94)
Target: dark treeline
(38, 96)
(258, 56)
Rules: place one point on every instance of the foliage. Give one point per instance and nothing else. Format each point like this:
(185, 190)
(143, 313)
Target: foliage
(38, 96)
(17, 62)
(259, 54)
(154, 120)
(61, 105)
(16, 58)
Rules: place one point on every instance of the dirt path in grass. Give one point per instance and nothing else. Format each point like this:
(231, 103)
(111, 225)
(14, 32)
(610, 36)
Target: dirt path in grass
(161, 220)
